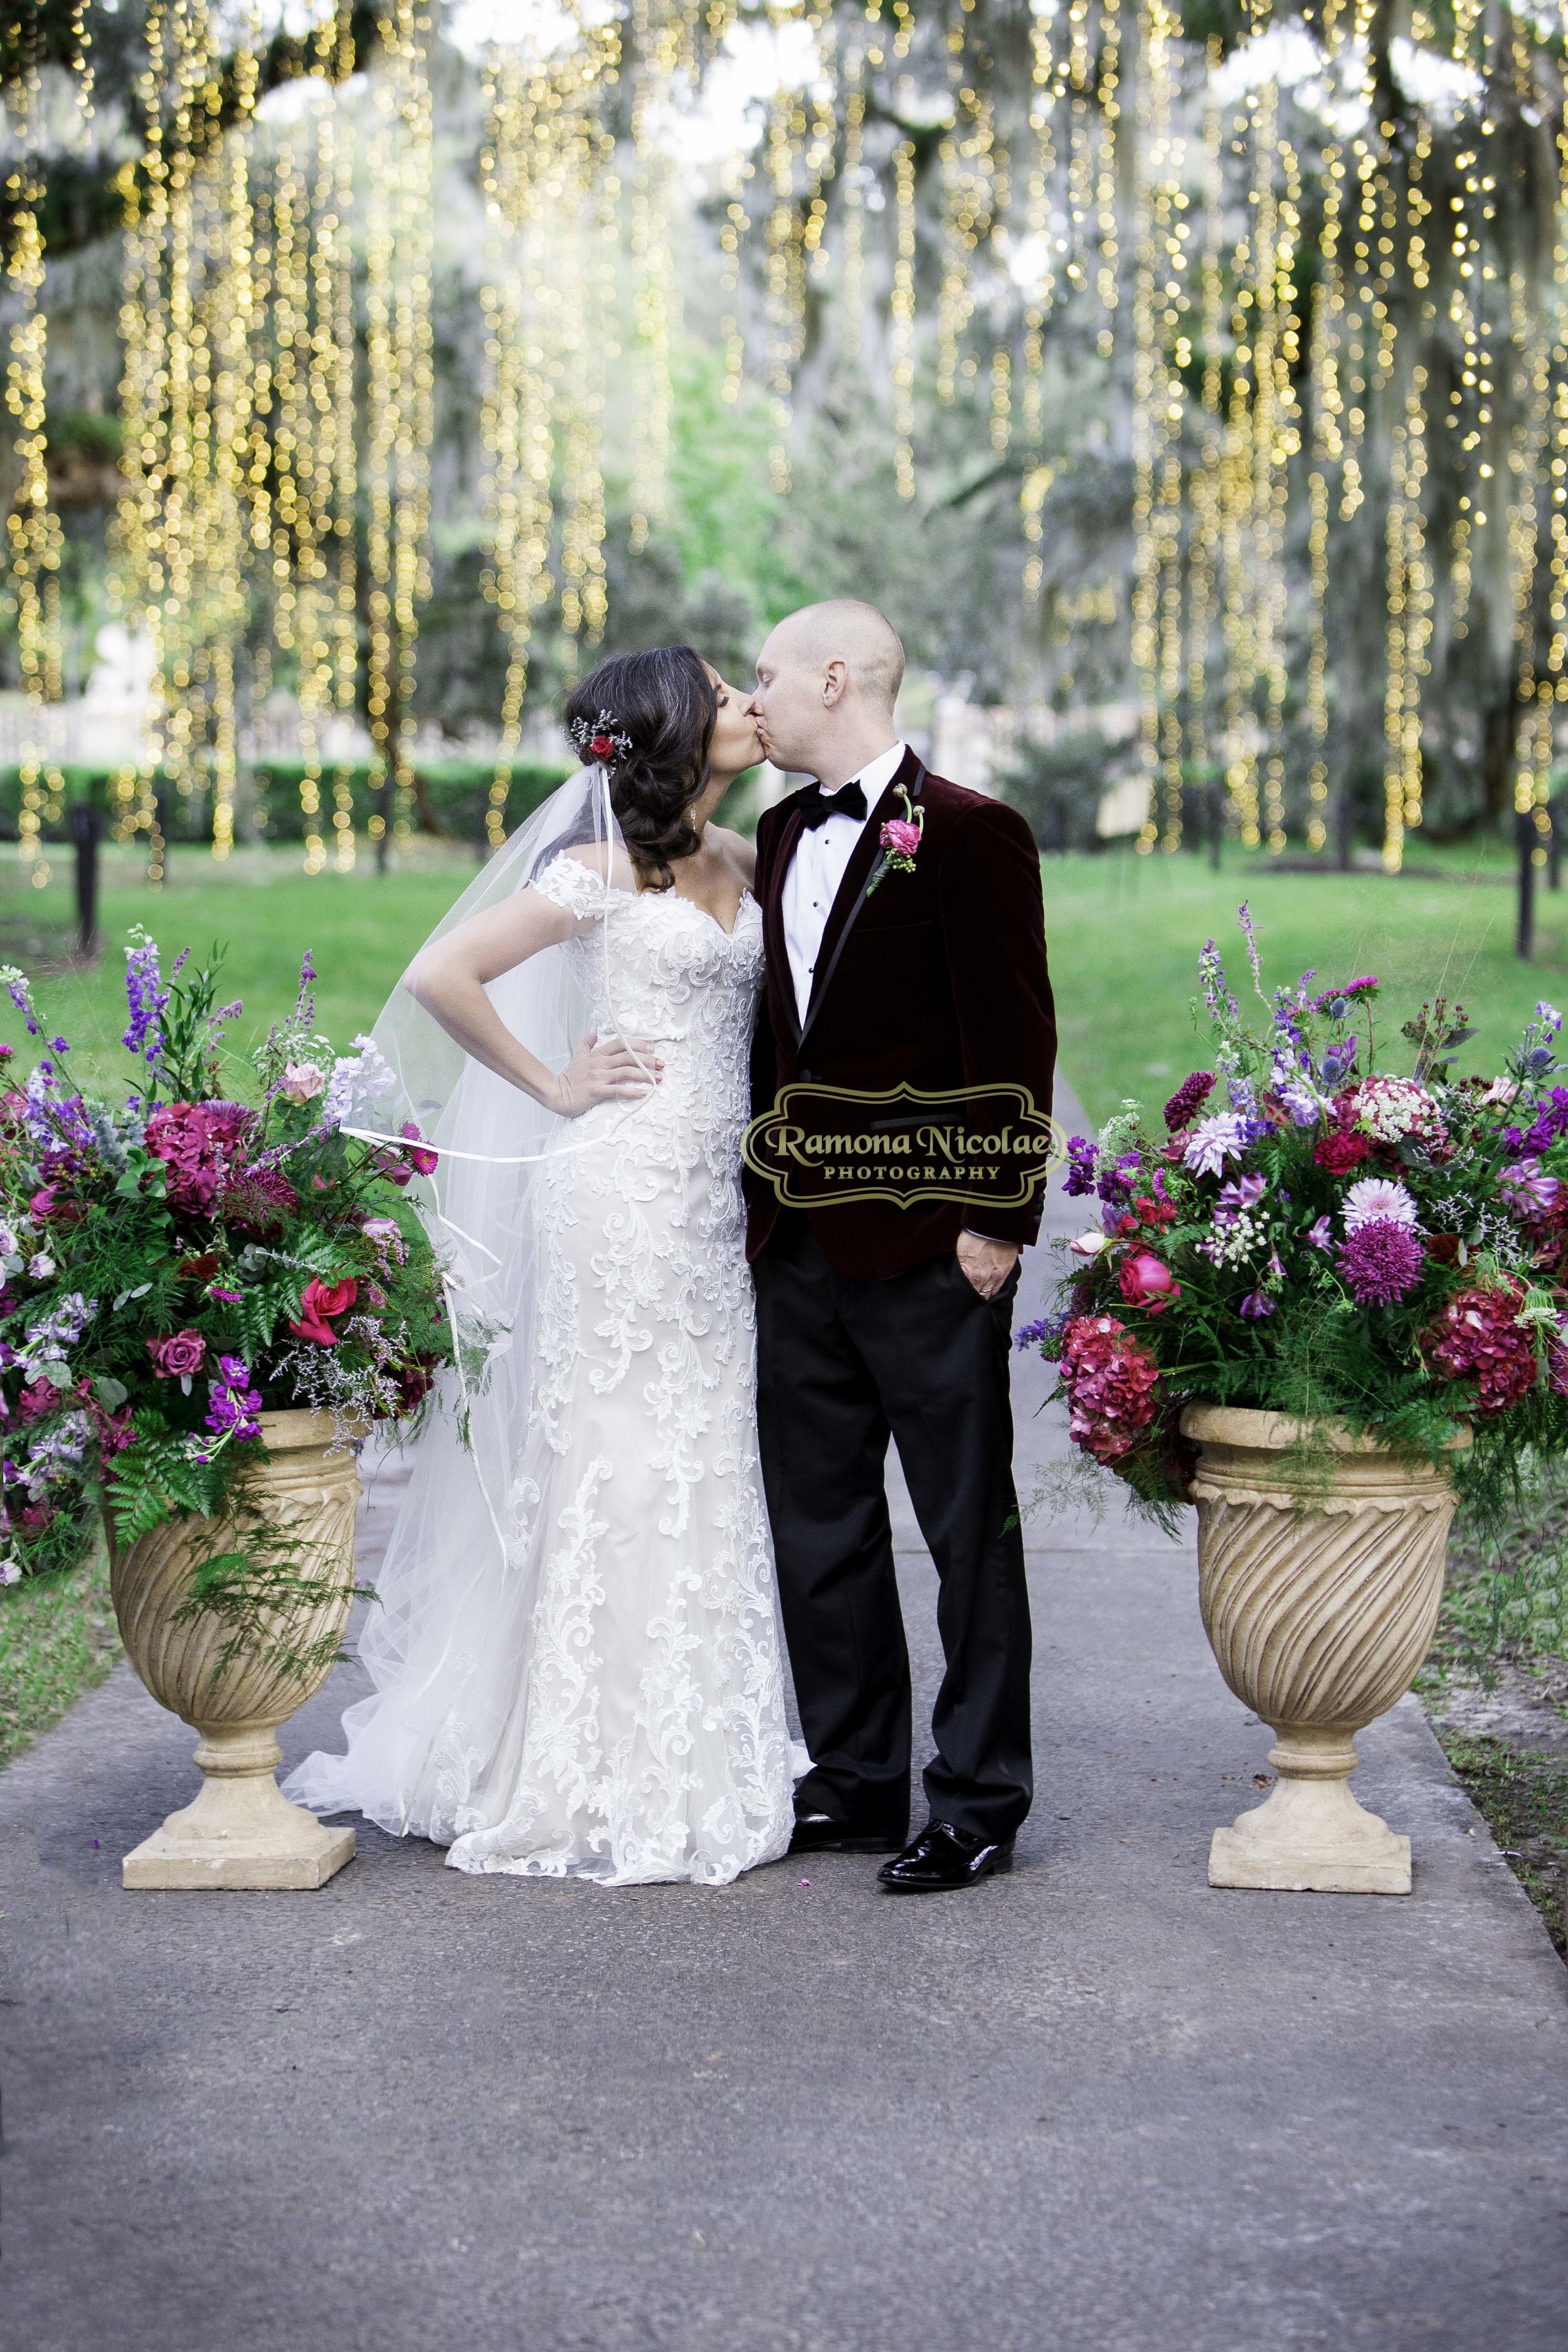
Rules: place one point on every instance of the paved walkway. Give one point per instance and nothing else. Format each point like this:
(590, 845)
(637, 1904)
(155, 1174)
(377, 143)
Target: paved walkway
(1095, 2107)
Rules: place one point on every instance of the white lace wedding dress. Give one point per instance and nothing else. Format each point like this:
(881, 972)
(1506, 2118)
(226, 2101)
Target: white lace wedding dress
(638, 1729)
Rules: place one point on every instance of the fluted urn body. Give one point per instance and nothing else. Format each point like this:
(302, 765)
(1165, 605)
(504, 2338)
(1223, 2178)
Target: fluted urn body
(1320, 1580)
(235, 1680)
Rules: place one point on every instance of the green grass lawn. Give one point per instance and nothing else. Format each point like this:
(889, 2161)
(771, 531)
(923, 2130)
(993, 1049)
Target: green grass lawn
(1124, 937)
(1125, 932)
(57, 1637)
(360, 929)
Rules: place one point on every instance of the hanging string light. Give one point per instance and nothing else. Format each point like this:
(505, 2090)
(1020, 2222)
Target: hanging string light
(902, 339)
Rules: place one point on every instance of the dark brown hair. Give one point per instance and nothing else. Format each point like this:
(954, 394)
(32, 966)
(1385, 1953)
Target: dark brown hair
(665, 702)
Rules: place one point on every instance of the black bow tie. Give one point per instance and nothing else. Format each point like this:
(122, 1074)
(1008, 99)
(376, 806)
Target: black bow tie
(816, 806)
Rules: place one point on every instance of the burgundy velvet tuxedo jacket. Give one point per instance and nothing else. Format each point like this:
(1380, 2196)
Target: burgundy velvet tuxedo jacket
(937, 978)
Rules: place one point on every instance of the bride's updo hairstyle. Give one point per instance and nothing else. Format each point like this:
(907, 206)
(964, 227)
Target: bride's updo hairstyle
(657, 712)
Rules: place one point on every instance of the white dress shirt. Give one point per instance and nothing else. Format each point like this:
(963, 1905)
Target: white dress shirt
(820, 862)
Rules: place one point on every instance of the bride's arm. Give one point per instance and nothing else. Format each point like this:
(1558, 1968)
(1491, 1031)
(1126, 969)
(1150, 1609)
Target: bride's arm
(449, 979)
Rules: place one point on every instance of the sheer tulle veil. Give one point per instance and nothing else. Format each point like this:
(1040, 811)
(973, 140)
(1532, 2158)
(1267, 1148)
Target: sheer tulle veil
(447, 1585)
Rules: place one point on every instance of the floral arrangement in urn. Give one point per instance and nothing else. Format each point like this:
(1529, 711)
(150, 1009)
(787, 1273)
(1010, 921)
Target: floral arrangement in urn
(1310, 1233)
(178, 1262)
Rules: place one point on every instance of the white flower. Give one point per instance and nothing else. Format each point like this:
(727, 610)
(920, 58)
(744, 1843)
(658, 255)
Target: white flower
(9, 1572)
(302, 1081)
(1390, 1108)
(1378, 1196)
(357, 1078)
(1212, 1142)
(41, 1268)
(1088, 1245)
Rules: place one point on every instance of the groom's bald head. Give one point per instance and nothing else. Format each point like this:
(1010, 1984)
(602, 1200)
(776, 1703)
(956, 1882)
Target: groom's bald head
(828, 679)
(843, 629)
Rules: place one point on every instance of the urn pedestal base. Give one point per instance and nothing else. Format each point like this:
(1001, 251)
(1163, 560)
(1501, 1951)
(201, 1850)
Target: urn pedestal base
(1310, 1835)
(1319, 1578)
(241, 1831)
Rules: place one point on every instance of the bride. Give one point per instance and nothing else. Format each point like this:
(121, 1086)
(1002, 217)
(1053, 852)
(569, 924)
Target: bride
(576, 1653)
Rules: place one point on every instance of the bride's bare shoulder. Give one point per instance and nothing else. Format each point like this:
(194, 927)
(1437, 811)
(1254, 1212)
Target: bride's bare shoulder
(738, 852)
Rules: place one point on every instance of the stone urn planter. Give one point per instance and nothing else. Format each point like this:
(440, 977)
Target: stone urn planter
(241, 1831)
(1320, 1596)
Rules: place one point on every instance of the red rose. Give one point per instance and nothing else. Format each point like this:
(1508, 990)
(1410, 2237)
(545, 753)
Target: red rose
(178, 1356)
(1339, 1153)
(601, 747)
(1146, 1280)
(320, 1301)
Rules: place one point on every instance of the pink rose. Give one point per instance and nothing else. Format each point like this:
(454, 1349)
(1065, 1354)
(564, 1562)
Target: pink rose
(900, 836)
(177, 1356)
(1147, 1281)
(322, 1300)
(302, 1081)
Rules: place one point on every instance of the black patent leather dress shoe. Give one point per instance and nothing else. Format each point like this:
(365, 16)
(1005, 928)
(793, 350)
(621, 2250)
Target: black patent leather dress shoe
(943, 1857)
(819, 1833)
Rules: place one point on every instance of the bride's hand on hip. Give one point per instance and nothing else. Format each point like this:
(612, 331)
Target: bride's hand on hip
(609, 1069)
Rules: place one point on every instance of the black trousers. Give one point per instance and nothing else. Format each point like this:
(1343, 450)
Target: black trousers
(841, 1365)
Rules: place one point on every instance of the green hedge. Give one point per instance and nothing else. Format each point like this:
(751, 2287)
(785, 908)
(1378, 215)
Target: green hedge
(456, 793)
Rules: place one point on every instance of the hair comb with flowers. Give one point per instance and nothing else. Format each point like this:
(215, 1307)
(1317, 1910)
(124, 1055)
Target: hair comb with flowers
(599, 738)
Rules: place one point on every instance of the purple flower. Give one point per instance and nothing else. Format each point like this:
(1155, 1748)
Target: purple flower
(147, 999)
(227, 1297)
(1116, 1183)
(1214, 1140)
(1249, 933)
(233, 1404)
(1080, 1178)
(1529, 1191)
(1321, 1235)
(1221, 1004)
(1189, 1096)
(1255, 1306)
(1382, 1261)
(1046, 1334)
(1234, 1198)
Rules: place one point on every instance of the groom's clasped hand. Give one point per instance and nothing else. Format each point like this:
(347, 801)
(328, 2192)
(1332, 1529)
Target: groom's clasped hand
(673, 1463)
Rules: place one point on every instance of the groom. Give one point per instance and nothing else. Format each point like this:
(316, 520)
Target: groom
(876, 1321)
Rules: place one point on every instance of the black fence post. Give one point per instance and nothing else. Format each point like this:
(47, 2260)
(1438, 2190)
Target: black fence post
(1529, 841)
(1216, 824)
(86, 831)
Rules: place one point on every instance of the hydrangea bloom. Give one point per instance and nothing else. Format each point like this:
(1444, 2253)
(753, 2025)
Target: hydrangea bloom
(1477, 1336)
(1112, 1383)
(1382, 1261)
(200, 1144)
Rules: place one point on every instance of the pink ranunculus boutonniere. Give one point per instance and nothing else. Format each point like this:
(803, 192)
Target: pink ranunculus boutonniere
(900, 839)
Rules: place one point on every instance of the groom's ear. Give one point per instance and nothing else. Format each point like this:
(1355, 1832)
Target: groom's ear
(835, 678)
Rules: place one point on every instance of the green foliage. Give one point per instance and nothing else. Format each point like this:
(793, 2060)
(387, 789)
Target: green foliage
(265, 1588)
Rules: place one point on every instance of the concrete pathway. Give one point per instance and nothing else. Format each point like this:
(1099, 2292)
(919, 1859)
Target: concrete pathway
(1094, 2107)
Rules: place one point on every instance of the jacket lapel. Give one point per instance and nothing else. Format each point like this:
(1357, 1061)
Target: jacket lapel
(779, 975)
(845, 911)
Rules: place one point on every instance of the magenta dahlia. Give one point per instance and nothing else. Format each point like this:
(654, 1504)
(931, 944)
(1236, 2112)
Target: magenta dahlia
(1383, 1260)
(1477, 1336)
